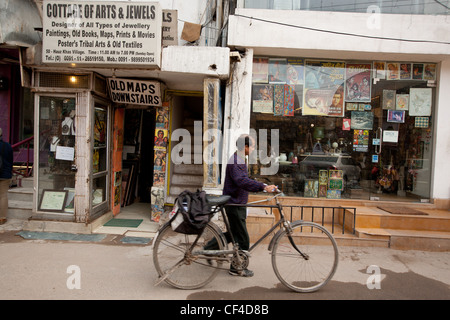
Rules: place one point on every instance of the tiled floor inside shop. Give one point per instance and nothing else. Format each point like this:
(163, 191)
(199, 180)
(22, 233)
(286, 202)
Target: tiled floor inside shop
(132, 221)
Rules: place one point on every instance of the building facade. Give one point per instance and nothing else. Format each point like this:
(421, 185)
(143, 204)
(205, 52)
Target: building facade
(139, 100)
(341, 99)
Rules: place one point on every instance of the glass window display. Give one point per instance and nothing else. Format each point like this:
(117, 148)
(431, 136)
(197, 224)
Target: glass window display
(355, 130)
(56, 154)
(100, 160)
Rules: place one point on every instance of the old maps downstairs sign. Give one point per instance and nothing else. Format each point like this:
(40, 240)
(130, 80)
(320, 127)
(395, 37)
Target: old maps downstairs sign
(145, 93)
(102, 33)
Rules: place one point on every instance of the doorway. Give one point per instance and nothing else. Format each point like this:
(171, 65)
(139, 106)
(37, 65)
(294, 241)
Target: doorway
(137, 157)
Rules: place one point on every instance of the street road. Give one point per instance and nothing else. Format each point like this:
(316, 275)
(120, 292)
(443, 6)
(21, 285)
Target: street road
(45, 269)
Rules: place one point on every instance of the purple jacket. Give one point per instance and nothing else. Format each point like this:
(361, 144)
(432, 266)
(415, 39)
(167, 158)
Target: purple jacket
(237, 182)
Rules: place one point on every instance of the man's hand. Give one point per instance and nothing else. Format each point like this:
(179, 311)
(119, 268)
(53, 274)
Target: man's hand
(271, 188)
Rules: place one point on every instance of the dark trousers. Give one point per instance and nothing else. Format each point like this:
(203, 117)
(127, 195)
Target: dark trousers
(237, 218)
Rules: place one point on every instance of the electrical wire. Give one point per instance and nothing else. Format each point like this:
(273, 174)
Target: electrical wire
(338, 32)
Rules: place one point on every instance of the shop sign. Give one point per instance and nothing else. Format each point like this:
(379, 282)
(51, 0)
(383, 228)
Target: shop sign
(170, 28)
(102, 33)
(146, 93)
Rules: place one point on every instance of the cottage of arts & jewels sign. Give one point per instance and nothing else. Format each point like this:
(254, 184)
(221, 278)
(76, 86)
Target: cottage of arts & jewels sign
(102, 33)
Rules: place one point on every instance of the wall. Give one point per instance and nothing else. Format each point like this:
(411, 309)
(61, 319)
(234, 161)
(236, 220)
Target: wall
(289, 34)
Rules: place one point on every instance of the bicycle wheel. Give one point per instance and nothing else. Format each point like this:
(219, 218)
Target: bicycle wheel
(171, 255)
(310, 272)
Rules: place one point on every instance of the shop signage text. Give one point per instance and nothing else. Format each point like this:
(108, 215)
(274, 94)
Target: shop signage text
(147, 93)
(114, 33)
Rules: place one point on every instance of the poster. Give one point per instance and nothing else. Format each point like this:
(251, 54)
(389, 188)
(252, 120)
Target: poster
(361, 140)
(429, 72)
(262, 98)
(295, 71)
(379, 70)
(358, 82)
(405, 71)
(420, 101)
(393, 71)
(417, 71)
(324, 88)
(277, 70)
(260, 70)
(161, 138)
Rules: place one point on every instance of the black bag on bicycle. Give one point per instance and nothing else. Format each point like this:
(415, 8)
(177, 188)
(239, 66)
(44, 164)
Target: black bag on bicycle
(192, 212)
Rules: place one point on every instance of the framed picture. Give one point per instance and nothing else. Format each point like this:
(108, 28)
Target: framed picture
(362, 120)
(53, 200)
(396, 116)
(420, 102)
(311, 188)
(389, 99)
(402, 102)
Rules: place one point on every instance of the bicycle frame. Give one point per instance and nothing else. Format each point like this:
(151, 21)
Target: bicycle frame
(282, 222)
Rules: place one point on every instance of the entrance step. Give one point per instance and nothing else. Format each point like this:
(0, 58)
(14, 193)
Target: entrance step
(20, 203)
(403, 239)
(19, 209)
(21, 194)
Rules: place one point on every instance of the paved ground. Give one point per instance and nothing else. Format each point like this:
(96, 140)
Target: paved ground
(111, 269)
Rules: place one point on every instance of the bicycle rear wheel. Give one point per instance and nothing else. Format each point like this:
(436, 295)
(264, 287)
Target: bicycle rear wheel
(173, 259)
(310, 272)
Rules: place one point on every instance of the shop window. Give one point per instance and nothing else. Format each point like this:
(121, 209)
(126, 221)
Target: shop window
(100, 162)
(56, 174)
(360, 130)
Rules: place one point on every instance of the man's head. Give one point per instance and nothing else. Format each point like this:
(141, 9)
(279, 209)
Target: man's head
(245, 144)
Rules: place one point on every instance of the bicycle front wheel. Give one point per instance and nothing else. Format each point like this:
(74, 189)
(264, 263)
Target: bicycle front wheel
(315, 262)
(173, 259)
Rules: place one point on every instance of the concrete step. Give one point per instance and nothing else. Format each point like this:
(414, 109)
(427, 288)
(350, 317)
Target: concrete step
(196, 169)
(435, 220)
(403, 239)
(19, 209)
(187, 179)
(21, 194)
(25, 182)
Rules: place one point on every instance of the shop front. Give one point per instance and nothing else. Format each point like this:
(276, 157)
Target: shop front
(72, 158)
(347, 129)
(349, 116)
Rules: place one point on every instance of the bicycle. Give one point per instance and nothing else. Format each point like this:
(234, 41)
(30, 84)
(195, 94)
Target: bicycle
(304, 254)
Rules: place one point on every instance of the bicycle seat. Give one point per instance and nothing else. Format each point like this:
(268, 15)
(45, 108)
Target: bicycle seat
(216, 200)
